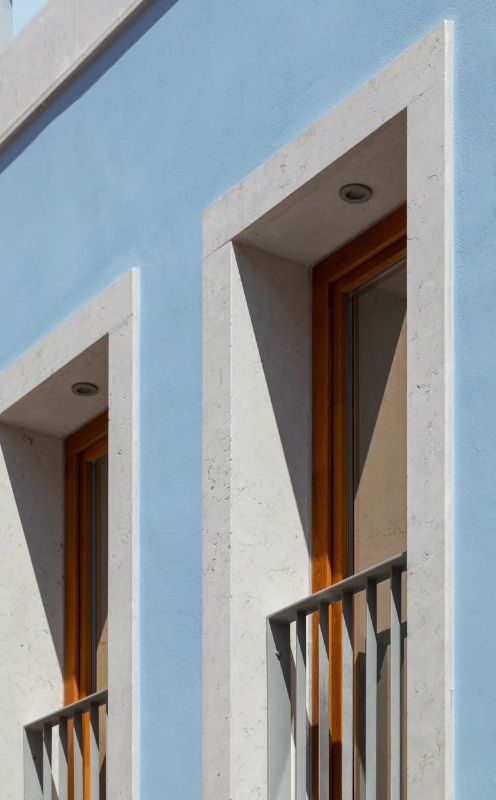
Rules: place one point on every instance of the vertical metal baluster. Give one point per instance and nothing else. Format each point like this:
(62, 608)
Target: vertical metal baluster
(279, 710)
(63, 759)
(371, 694)
(324, 702)
(347, 753)
(395, 688)
(95, 751)
(78, 756)
(47, 762)
(33, 763)
(301, 706)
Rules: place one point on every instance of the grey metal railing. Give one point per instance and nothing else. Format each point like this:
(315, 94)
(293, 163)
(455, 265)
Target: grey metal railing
(289, 680)
(39, 751)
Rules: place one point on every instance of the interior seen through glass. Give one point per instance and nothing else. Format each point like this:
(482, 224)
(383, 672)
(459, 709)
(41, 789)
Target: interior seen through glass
(378, 351)
(100, 573)
(99, 596)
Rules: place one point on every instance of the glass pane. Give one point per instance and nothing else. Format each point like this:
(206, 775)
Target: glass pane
(99, 598)
(378, 481)
(378, 321)
(100, 570)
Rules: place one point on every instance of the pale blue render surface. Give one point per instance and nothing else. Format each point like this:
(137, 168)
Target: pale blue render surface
(116, 174)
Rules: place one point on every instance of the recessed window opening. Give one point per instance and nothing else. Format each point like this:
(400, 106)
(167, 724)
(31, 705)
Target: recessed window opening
(297, 225)
(360, 489)
(60, 487)
(61, 438)
(86, 584)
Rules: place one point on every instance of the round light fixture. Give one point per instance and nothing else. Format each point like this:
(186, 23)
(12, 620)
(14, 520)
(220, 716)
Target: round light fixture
(355, 193)
(84, 389)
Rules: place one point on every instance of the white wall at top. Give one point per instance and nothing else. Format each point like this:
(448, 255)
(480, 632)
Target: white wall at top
(24, 11)
(5, 23)
(31, 590)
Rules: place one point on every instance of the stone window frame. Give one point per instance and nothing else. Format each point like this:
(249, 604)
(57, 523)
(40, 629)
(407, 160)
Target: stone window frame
(114, 314)
(419, 82)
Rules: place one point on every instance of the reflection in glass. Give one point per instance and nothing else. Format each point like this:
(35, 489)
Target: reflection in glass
(378, 320)
(99, 594)
(377, 436)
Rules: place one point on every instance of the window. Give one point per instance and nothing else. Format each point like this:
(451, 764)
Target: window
(38, 412)
(359, 455)
(359, 403)
(86, 574)
(259, 240)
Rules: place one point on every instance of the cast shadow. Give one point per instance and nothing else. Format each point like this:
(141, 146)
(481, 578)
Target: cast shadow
(277, 294)
(101, 61)
(33, 510)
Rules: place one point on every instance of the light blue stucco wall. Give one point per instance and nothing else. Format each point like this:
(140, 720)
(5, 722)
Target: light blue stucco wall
(117, 173)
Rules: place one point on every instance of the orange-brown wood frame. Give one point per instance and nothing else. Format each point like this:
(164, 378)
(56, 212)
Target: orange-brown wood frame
(341, 273)
(82, 449)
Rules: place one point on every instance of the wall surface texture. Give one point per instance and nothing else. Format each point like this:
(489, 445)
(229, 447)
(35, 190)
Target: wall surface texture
(118, 171)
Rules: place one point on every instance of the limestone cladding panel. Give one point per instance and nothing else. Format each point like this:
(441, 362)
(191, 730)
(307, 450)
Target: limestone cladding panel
(256, 491)
(57, 43)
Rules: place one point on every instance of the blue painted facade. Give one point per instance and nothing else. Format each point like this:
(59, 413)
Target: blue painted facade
(117, 173)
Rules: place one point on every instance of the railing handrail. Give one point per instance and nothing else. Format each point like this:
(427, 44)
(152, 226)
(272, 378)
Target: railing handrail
(66, 712)
(334, 594)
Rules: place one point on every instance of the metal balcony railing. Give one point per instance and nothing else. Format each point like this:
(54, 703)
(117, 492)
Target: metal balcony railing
(78, 728)
(290, 744)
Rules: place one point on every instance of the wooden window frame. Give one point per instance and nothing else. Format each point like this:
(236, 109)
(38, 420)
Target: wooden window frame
(334, 278)
(83, 448)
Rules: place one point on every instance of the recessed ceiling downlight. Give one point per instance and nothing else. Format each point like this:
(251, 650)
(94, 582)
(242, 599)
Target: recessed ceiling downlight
(83, 389)
(355, 193)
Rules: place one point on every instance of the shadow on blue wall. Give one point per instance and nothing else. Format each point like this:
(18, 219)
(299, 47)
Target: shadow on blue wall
(132, 30)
